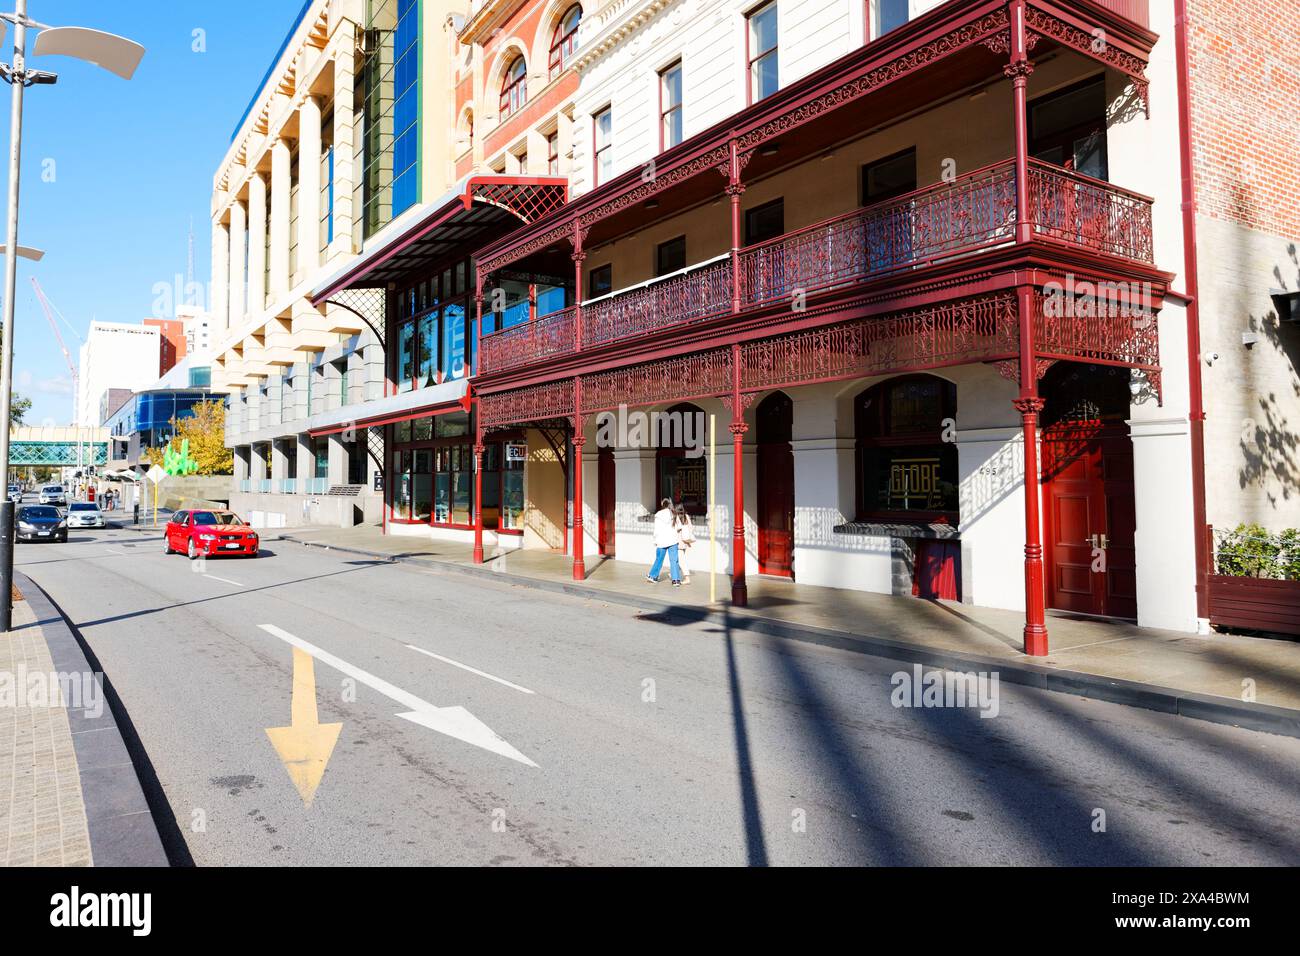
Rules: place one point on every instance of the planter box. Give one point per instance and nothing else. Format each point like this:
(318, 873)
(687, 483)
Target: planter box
(1255, 603)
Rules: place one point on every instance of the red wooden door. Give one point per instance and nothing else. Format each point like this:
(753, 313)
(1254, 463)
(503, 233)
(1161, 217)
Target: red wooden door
(606, 500)
(775, 417)
(1089, 519)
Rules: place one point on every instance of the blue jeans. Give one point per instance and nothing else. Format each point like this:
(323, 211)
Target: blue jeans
(658, 566)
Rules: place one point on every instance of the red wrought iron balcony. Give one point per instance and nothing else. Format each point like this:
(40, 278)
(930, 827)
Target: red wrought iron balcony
(930, 226)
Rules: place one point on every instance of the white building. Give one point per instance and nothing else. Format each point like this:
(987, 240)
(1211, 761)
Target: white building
(114, 355)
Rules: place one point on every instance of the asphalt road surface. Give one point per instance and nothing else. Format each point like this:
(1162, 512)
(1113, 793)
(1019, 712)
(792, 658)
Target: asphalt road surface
(615, 737)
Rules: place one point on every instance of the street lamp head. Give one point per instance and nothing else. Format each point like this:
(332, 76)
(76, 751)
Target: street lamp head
(25, 252)
(114, 53)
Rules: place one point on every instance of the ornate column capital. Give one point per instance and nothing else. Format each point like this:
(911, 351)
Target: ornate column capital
(1028, 406)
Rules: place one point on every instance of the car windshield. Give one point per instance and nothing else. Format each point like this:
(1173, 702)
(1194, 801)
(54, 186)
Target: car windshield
(84, 506)
(38, 512)
(49, 488)
(216, 517)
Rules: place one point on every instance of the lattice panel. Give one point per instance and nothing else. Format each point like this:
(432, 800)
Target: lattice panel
(529, 202)
(57, 453)
(367, 304)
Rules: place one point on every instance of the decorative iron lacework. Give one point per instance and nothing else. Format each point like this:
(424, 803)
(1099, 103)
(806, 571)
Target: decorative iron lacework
(936, 49)
(954, 333)
(1087, 44)
(367, 304)
(676, 379)
(536, 403)
(1101, 330)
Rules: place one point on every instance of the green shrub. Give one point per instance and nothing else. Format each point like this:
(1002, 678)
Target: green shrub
(1250, 551)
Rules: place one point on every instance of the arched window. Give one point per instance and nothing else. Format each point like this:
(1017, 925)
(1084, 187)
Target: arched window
(907, 459)
(565, 39)
(681, 472)
(514, 86)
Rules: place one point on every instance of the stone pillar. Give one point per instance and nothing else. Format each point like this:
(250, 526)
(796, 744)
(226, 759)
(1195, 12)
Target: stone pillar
(220, 276)
(344, 143)
(279, 461)
(258, 464)
(256, 244)
(338, 460)
(279, 219)
(309, 149)
(242, 456)
(238, 248)
(305, 449)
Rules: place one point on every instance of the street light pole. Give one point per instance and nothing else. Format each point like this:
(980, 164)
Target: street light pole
(11, 282)
(117, 55)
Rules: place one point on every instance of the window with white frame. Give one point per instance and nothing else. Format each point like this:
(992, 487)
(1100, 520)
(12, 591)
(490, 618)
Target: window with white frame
(763, 51)
(603, 142)
(670, 106)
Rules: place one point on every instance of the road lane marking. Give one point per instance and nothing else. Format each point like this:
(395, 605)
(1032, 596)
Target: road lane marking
(466, 667)
(454, 721)
(207, 574)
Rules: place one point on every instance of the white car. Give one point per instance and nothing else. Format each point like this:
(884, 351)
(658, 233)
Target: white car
(53, 495)
(85, 514)
(16, 494)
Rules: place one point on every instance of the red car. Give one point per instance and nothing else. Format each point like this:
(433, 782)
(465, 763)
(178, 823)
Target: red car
(206, 532)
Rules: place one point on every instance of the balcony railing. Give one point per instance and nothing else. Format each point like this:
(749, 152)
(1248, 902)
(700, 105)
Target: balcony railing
(527, 342)
(972, 213)
(695, 292)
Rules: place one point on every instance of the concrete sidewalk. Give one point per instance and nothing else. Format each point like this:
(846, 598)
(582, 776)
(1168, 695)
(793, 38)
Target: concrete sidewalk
(69, 794)
(1244, 681)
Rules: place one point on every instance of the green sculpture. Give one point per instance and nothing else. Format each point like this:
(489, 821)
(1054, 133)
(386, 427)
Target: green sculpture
(179, 463)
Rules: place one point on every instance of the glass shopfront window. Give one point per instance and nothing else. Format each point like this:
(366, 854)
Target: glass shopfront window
(435, 333)
(906, 468)
(433, 465)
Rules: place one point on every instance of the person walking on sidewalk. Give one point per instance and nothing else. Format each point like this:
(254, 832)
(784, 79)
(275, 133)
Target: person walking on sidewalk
(685, 538)
(665, 545)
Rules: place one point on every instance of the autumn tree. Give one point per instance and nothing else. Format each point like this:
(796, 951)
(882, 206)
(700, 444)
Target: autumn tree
(205, 427)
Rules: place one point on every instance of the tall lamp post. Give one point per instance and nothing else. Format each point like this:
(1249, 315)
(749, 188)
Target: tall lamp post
(117, 55)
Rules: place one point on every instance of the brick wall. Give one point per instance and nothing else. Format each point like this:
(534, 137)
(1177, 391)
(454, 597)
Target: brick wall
(1245, 78)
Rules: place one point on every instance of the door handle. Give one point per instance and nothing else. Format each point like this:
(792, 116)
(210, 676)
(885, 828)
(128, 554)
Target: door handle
(1098, 541)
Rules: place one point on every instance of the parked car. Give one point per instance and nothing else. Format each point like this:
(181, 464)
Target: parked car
(40, 523)
(53, 495)
(199, 531)
(85, 514)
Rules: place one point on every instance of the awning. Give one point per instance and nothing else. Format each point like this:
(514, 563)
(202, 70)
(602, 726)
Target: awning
(478, 210)
(419, 403)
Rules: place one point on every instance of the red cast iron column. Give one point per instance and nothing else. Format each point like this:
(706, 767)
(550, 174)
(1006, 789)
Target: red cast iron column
(735, 189)
(478, 497)
(739, 590)
(1018, 70)
(578, 256)
(579, 439)
(1029, 404)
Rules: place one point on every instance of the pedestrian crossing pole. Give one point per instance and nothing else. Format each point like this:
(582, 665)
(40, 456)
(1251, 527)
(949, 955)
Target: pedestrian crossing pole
(713, 503)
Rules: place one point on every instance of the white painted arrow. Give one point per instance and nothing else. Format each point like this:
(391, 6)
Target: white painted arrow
(453, 721)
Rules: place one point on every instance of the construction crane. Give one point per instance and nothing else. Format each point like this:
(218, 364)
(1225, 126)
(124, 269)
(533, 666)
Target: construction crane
(48, 308)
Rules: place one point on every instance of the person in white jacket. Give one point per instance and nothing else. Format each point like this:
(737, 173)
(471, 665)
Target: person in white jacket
(685, 538)
(665, 545)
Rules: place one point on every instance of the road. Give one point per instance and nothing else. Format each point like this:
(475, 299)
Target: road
(653, 742)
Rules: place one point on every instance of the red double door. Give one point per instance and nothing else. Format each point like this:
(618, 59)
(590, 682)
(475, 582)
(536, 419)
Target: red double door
(1089, 519)
(775, 420)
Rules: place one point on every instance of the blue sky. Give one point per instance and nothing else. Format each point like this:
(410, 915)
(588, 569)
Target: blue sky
(113, 171)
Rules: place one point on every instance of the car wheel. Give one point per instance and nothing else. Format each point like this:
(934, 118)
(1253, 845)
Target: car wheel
(191, 552)
(167, 544)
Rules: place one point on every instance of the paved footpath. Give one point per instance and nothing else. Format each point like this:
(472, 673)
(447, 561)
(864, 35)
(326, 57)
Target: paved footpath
(42, 814)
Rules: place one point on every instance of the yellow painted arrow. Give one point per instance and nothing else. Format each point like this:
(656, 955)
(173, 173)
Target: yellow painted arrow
(306, 744)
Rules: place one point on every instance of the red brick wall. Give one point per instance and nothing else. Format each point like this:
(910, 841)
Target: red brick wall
(1244, 58)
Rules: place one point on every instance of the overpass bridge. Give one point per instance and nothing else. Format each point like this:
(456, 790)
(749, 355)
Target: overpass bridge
(57, 446)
